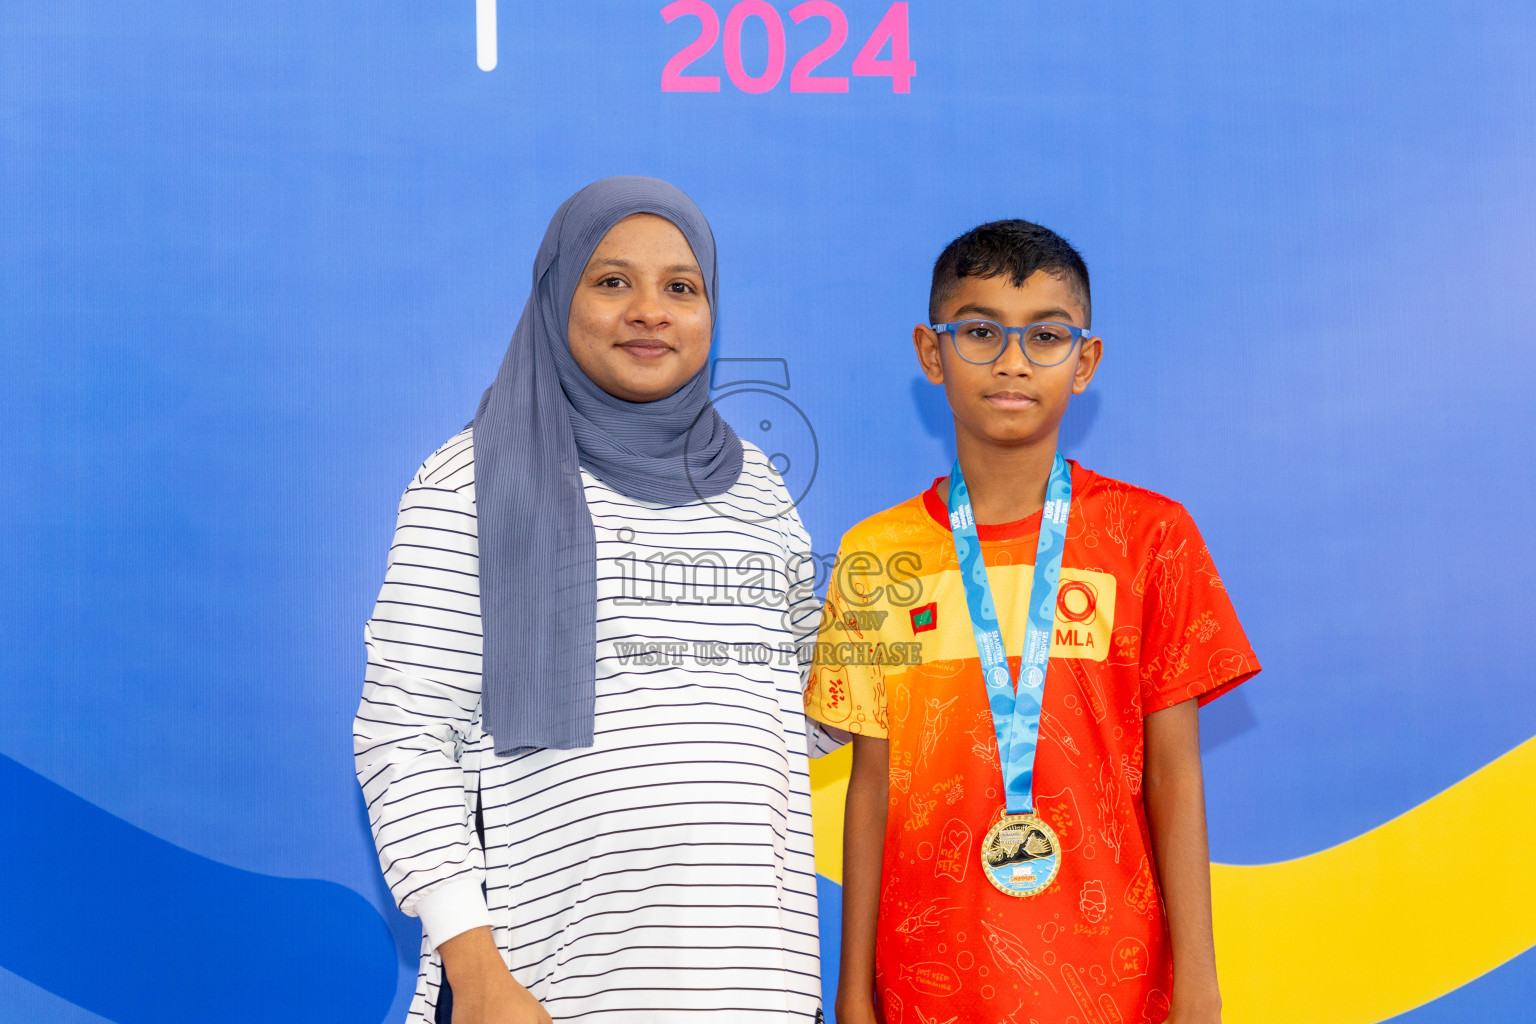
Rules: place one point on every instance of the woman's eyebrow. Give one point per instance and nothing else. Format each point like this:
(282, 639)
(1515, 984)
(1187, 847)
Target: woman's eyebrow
(623, 264)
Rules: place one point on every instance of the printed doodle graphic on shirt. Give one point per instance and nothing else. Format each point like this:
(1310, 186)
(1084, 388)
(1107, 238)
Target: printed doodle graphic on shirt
(1129, 959)
(1090, 687)
(919, 807)
(1130, 770)
(931, 978)
(983, 739)
(916, 923)
(954, 856)
(1017, 1015)
(1060, 812)
(1125, 646)
(1091, 901)
(1141, 894)
(1207, 570)
(1115, 519)
(1010, 955)
(1225, 663)
(923, 1018)
(934, 722)
(901, 705)
(1080, 994)
(1111, 826)
(1168, 578)
(835, 704)
(1052, 729)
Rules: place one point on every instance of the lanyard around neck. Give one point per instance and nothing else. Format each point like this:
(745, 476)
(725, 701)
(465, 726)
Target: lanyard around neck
(1015, 709)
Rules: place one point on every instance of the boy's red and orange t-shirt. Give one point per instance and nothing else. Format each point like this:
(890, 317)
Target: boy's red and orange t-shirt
(1142, 623)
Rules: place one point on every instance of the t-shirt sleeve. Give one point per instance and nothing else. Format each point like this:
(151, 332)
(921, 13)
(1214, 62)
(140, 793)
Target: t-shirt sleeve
(846, 691)
(1192, 642)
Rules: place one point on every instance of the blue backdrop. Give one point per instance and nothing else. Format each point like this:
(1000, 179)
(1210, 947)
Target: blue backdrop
(261, 258)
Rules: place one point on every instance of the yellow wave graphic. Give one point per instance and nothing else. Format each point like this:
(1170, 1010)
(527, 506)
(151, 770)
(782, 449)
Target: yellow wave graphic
(829, 788)
(1362, 931)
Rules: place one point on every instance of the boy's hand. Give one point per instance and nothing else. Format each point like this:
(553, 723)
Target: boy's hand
(1204, 1011)
(863, 849)
(858, 1012)
(1173, 789)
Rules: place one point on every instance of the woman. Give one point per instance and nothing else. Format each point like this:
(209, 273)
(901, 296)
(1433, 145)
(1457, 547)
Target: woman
(582, 772)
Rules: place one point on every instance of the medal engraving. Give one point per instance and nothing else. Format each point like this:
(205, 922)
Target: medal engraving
(1021, 855)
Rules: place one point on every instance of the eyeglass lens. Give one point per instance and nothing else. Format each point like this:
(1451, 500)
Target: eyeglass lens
(982, 341)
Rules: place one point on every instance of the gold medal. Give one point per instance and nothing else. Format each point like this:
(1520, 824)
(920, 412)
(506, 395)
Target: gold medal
(1021, 855)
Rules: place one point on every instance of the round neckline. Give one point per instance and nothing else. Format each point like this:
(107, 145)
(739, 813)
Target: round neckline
(938, 511)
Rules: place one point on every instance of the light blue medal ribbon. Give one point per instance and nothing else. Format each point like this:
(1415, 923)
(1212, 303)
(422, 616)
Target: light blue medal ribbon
(1015, 711)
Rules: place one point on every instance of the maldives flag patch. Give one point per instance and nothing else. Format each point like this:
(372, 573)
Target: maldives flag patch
(925, 617)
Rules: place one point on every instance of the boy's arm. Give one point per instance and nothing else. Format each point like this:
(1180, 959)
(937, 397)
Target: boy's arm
(863, 851)
(1174, 794)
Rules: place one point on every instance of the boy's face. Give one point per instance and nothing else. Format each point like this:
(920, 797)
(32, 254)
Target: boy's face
(1010, 401)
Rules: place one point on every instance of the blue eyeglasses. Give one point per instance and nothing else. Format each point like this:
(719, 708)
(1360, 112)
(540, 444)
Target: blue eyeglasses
(1045, 343)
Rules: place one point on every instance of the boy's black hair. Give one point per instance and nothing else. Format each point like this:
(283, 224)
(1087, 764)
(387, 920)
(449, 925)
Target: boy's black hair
(1017, 248)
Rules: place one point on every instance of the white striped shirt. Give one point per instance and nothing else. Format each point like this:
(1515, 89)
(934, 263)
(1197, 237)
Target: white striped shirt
(665, 873)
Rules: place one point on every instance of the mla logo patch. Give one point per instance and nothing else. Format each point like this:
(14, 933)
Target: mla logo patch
(925, 617)
(1085, 615)
(1077, 601)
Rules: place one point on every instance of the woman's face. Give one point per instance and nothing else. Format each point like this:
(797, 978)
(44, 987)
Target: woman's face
(639, 323)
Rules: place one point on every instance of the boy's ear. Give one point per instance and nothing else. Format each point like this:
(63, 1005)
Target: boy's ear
(926, 342)
(1087, 364)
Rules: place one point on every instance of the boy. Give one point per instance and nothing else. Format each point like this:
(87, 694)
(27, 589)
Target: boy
(1025, 836)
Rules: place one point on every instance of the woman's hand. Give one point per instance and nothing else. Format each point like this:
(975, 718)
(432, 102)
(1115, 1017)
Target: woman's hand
(499, 1001)
(484, 991)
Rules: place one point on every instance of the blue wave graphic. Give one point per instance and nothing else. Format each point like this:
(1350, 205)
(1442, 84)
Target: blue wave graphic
(140, 931)
(829, 905)
(1503, 994)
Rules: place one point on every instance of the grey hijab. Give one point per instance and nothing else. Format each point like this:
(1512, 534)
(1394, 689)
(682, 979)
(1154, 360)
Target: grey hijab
(540, 421)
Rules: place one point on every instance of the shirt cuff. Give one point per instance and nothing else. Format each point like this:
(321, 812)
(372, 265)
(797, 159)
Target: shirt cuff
(452, 910)
(822, 740)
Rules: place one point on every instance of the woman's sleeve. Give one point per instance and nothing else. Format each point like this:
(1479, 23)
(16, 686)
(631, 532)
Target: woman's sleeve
(419, 710)
(803, 621)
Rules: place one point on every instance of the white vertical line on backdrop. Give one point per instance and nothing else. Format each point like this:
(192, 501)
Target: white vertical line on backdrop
(485, 34)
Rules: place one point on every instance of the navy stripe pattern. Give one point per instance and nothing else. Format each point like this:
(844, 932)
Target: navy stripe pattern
(666, 873)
